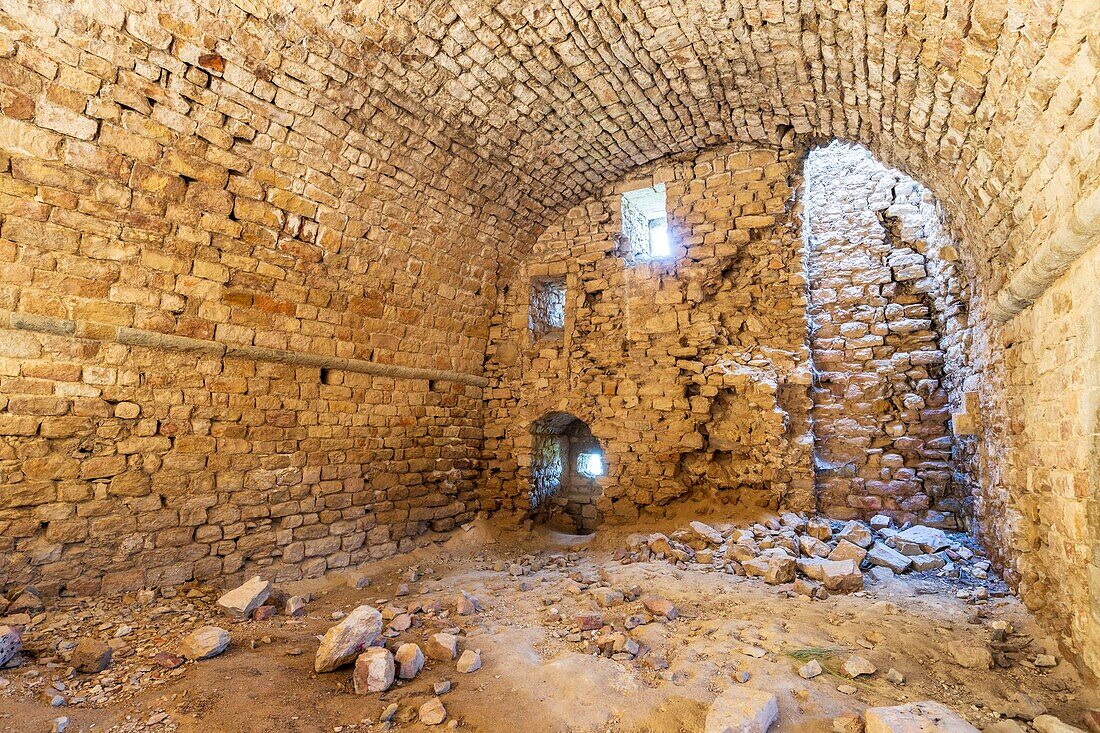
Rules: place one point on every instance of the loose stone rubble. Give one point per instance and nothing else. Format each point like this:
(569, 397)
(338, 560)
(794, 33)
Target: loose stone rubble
(741, 710)
(780, 551)
(635, 634)
(203, 643)
(917, 717)
(343, 642)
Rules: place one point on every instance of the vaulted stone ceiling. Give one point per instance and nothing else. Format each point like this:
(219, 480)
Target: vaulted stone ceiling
(981, 100)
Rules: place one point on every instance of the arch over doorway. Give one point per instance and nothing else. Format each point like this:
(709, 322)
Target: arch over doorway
(567, 462)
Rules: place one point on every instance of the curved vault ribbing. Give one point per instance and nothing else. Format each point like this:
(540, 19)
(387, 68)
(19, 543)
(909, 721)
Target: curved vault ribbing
(558, 97)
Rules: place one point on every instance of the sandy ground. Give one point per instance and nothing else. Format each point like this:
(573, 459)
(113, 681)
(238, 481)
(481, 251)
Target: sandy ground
(535, 679)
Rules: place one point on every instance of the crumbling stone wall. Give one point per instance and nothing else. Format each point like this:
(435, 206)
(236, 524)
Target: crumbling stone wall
(879, 302)
(208, 267)
(692, 372)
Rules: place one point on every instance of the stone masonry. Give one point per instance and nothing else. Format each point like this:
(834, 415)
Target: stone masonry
(691, 372)
(881, 415)
(264, 271)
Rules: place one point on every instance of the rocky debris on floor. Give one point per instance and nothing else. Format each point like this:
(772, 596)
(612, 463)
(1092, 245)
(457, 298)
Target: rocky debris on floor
(204, 643)
(246, 598)
(11, 641)
(916, 717)
(342, 643)
(432, 712)
(91, 656)
(856, 666)
(374, 670)
(442, 647)
(470, 661)
(581, 603)
(794, 546)
(410, 660)
(742, 710)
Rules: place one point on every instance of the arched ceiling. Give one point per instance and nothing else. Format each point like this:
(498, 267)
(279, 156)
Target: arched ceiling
(980, 99)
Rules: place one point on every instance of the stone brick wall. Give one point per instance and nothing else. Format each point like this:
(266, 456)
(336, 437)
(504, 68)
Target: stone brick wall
(1039, 508)
(353, 180)
(226, 179)
(879, 291)
(692, 372)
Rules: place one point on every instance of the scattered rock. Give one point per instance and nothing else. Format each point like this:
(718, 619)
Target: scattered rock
(343, 642)
(11, 641)
(706, 532)
(203, 643)
(819, 528)
(1051, 724)
(28, 602)
(659, 606)
(881, 521)
(410, 660)
(742, 710)
(1004, 726)
(846, 550)
(466, 605)
(895, 677)
(167, 660)
(857, 533)
(588, 621)
(774, 565)
(810, 669)
(374, 670)
(401, 622)
(856, 666)
(264, 613)
(916, 717)
(1020, 705)
(91, 656)
(842, 576)
(927, 539)
(244, 599)
(971, 657)
(923, 563)
(888, 557)
(607, 597)
(848, 724)
(433, 712)
(295, 607)
(442, 647)
(470, 661)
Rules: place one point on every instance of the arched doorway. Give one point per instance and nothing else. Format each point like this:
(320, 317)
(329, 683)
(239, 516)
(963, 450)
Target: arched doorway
(566, 464)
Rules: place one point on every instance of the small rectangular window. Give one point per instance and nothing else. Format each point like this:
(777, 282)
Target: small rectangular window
(547, 314)
(645, 222)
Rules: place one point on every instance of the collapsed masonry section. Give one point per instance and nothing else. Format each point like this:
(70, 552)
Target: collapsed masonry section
(882, 291)
(713, 373)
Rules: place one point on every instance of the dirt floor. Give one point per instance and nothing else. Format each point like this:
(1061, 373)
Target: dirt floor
(539, 673)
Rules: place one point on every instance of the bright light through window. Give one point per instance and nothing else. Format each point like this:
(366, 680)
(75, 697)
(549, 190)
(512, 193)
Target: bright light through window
(590, 464)
(658, 239)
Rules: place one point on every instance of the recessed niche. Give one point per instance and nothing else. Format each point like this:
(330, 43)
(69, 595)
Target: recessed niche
(645, 222)
(547, 312)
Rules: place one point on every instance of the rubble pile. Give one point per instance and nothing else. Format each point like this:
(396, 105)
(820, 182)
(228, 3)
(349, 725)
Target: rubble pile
(820, 556)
